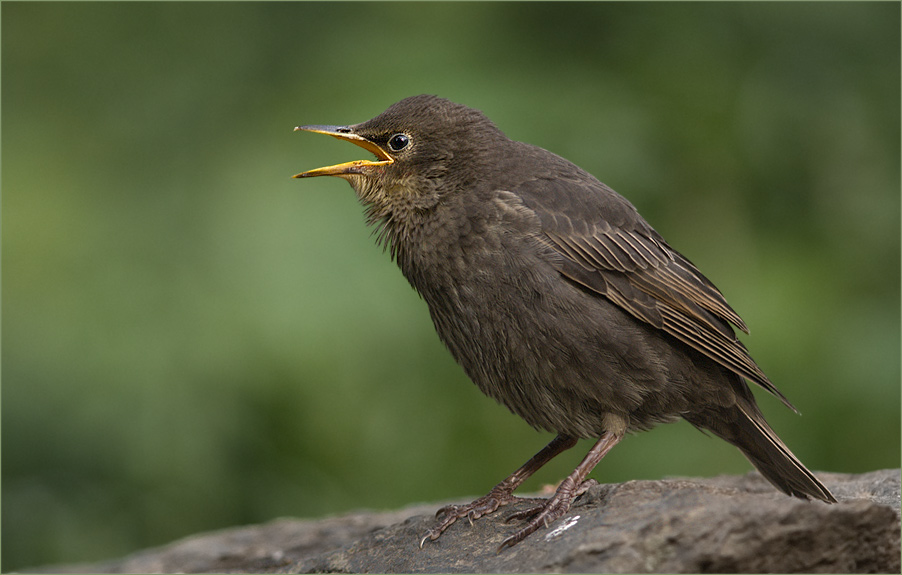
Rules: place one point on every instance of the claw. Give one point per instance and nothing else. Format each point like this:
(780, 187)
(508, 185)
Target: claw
(482, 506)
(584, 486)
(445, 509)
(517, 537)
(432, 534)
(524, 514)
(502, 494)
(544, 519)
(544, 514)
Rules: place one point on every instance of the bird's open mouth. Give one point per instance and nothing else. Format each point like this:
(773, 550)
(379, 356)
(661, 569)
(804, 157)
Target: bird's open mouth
(347, 168)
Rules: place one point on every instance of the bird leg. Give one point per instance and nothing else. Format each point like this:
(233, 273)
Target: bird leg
(501, 494)
(570, 488)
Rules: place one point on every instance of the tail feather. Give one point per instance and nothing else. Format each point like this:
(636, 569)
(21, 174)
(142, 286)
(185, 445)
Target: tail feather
(748, 431)
(775, 461)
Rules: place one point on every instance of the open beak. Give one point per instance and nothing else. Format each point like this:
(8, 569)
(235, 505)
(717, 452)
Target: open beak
(348, 168)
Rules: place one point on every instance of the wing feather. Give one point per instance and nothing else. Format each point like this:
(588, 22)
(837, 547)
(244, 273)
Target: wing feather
(612, 251)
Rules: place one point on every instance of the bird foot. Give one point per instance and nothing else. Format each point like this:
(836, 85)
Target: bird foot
(547, 512)
(486, 504)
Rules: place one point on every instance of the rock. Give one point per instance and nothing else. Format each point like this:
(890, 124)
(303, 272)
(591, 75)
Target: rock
(724, 524)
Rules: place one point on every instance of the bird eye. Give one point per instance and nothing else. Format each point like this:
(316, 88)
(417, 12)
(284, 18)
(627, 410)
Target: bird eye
(398, 142)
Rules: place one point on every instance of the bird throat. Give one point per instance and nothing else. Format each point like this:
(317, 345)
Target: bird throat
(396, 213)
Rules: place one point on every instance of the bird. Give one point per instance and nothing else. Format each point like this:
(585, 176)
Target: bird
(556, 297)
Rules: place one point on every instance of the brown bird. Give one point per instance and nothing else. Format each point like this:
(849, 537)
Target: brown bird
(558, 299)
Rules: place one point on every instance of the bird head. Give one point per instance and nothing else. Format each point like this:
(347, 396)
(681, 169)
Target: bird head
(424, 147)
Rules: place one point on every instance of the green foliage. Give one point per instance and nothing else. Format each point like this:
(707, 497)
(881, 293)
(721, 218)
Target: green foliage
(193, 340)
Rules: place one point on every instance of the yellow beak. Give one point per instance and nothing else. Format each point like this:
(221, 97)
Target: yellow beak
(347, 168)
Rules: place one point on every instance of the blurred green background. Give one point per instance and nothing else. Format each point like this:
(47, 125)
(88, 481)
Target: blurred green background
(193, 340)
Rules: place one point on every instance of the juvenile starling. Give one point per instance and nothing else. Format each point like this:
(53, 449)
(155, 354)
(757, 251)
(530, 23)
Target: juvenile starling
(558, 299)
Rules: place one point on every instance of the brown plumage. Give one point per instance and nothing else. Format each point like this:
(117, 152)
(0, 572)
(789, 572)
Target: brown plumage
(558, 299)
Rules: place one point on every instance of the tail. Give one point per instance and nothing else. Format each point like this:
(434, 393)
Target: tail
(744, 426)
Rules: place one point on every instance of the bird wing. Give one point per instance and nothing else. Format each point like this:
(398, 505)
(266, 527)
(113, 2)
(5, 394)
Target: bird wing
(606, 247)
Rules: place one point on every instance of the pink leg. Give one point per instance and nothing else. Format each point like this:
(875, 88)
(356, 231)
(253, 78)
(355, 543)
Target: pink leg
(570, 488)
(501, 494)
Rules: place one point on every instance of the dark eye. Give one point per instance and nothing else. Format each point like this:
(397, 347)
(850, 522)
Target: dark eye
(398, 142)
